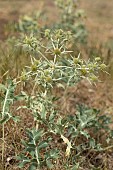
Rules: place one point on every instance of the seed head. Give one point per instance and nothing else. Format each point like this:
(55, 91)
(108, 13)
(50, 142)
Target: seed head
(93, 78)
(103, 66)
(34, 67)
(83, 71)
(48, 79)
(57, 51)
(77, 61)
(97, 59)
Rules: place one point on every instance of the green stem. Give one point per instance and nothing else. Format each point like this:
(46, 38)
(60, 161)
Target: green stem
(37, 157)
(3, 128)
(3, 136)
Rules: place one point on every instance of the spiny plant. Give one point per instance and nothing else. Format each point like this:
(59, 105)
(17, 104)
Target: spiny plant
(53, 65)
(72, 19)
(29, 24)
(56, 62)
(7, 99)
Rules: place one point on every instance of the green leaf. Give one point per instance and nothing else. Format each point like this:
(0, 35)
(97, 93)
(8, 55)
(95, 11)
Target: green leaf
(92, 143)
(32, 167)
(5, 119)
(21, 165)
(59, 121)
(43, 113)
(42, 145)
(16, 119)
(49, 164)
(54, 154)
(85, 133)
(75, 167)
(51, 117)
(24, 162)
(38, 134)
(2, 87)
(20, 97)
(30, 149)
(24, 142)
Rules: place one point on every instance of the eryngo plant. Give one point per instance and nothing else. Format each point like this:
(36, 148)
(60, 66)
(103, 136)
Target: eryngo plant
(72, 19)
(7, 100)
(69, 10)
(76, 132)
(29, 23)
(39, 150)
(54, 64)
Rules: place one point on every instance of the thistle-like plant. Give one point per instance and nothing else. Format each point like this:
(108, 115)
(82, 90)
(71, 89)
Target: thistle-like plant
(53, 64)
(29, 23)
(7, 100)
(72, 19)
(69, 19)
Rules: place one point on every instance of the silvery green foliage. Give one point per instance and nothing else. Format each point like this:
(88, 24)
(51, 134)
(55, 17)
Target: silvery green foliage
(7, 99)
(72, 19)
(29, 23)
(53, 64)
(41, 149)
(53, 61)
